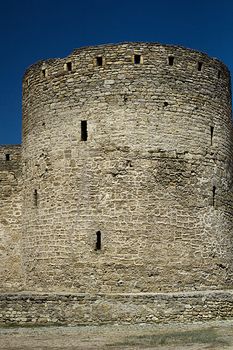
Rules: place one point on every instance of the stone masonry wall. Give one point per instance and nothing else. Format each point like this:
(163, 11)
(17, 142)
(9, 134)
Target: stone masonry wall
(10, 218)
(84, 309)
(132, 142)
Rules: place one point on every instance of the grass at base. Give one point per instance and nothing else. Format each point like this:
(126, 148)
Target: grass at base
(206, 336)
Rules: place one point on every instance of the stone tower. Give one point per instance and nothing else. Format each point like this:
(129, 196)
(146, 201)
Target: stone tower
(127, 171)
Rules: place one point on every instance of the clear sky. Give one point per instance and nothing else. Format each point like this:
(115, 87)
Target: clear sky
(31, 30)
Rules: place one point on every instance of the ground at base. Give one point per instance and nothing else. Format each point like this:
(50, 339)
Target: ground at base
(216, 335)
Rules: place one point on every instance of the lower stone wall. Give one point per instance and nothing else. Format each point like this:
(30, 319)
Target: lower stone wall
(86, 309)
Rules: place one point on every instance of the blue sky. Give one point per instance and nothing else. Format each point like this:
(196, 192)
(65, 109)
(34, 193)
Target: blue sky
(31, 30)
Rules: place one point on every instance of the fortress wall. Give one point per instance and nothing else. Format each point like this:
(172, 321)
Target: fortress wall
(154, 175)
(10, 218)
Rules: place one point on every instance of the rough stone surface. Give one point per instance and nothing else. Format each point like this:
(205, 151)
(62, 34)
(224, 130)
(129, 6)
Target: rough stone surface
(152, 172)
(78, 309)
(10, 218)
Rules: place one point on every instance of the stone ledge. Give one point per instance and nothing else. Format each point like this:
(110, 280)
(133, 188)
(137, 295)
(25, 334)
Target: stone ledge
(30, 308)
(185, 294)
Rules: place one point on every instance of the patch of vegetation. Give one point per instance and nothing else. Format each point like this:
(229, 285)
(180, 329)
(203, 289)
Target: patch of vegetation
(204, 336)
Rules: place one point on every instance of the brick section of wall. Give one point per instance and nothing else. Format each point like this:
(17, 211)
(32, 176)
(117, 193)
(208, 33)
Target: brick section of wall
(154, 175)
(10, 218)
(86, 309)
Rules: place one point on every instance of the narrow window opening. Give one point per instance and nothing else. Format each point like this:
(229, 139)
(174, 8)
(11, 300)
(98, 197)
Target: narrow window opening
(137, 59)
(199, 66)
(214, 193)
(7, 157)
(35, 198)
(83, 130)
(99, 61)
(44, 72)
(98, 241)
(69, 66)
(211, 135)
(219, 74)
(170, 60)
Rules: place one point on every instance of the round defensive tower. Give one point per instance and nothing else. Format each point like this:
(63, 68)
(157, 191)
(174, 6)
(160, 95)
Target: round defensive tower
(127, 166)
